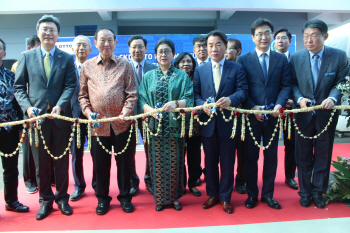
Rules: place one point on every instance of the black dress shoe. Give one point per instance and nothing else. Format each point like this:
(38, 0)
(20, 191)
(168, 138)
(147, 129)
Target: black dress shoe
(319, 202)
(160, 207)
(305, 201)
(43, 212)
(133, 191)
(177, 206)
(102, 208)
(292, 184)
(149, 188)
(195, 192)
(272, 203)
(241, 189)
(127, 206)
(250, 203)
(77, 195)
(65, 209)
(17, 207)
(198, 182)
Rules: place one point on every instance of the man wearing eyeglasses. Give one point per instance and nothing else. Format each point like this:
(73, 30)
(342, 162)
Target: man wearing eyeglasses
(200, 49)
(138, 49)
(316, 71)
(283, 39)
(50, 75)
(268, 75)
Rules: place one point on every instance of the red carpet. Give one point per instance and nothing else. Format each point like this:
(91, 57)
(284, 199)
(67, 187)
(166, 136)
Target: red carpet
(145, 216)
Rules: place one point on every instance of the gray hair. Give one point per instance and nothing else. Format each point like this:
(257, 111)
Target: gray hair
(49, 18)
(83, 37)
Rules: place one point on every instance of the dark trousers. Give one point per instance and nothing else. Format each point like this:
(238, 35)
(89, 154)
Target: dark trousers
(289, 153)
(252, 157)
(29, 175)
(218, 149)
(9, 142)
(29, 171)
(102, 161)
(56, 139)
(240, 175)
(193, 150)
(77, 161)
(313, 157)
(134, 178)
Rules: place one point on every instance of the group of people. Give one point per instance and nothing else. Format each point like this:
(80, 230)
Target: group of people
(106, 86)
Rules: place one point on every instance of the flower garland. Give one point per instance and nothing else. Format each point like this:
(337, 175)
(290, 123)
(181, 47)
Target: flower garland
(111, 152)
(271, 139)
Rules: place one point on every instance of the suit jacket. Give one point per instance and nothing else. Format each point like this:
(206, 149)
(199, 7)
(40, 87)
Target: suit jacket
(76, 110)
(148, 66)
(233, 84)
(58, 90)
(334, 68)
(277, 87)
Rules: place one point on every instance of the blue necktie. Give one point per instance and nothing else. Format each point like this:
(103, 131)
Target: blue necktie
(315, 69)
(263, 66)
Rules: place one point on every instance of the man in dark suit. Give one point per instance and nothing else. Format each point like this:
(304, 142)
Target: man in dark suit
(316, 71)
(50, 75)
(234, 49)
(283, 38)
(268, 76)
(138, 49)
(226, 82)
(81, 48)
(200, 50)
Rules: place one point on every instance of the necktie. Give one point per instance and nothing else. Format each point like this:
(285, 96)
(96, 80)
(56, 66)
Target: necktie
(263, 66)
(139, 72)
(47, 66)
(202, 63)
(315, 69)
(217, 77)
(79, 67)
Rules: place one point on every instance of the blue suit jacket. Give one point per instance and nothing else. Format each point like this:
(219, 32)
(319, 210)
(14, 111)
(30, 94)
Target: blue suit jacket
(277, 87)
(233, 84)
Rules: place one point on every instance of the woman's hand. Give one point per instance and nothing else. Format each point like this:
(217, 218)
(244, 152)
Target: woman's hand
(170, 106)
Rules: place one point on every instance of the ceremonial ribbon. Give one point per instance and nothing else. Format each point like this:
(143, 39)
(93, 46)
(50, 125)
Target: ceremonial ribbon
(211, 100)
(265, 117)
(311, 103)
(94, 117)
(158, 105)
(36, 112)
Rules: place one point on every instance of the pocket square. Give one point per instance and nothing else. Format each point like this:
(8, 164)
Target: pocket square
(329, 74)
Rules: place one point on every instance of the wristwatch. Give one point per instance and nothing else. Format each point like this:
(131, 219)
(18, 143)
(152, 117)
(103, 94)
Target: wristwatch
(177, 103)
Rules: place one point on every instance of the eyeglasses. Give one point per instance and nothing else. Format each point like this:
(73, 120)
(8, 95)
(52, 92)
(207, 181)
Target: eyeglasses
(266, 34)
(313, 37)
(201, 46)
(49, 30)
(281, 38)
(165, 52)
(138, 47)
(81, 45)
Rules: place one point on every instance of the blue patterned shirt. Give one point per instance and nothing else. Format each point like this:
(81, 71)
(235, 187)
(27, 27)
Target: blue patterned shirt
(9, 108)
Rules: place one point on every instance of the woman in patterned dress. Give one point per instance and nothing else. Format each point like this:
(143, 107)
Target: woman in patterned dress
(184, 61)
(169, 88)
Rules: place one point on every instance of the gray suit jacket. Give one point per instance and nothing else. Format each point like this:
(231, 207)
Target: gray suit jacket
(148, 66)
(58, 90)
(334, 67)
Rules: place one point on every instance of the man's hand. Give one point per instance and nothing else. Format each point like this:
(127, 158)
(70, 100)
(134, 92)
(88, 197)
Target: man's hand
(170, 106)
(276, 110)
(303, 102)
(289, 104)
(30, 112)
(207, 110)
(258, 115)
(327, 103)
(55, 110)
(224, 102)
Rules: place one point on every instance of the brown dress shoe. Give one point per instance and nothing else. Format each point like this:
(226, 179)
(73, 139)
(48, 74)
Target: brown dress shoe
(226, 205)
(210, 202)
